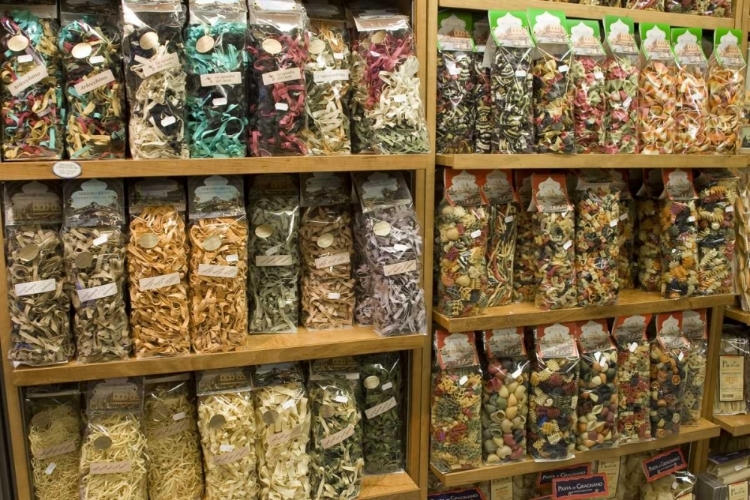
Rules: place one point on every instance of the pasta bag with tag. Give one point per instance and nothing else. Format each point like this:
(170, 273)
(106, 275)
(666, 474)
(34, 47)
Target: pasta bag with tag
(679, 229)
(649, 234)
(726, 92)
(732, 392)
(692, 104)
(669, 357)
(695, 329)
(501, 244)
(626, 245)
(657, 91)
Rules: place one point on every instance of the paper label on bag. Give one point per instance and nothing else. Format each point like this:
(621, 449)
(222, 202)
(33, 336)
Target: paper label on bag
(216, 271)
(729, 209)
(219, 101)
(100, 468)
(273, 260)
(283, 75)
(281, 106)
(231, 78)
(400, 268)
(94, 82)
(36, 75)
(25, 58)
(280, 438)
(333, 296)
(151, 67)
(101, 240)
(731, 378)
(610, 468)
(380, 409)
(57, 450)
(178, 416)
(226, 448)
(501, 489)
(156, 282)
(331, 75)
(50, 468)
(231, 457)
(35, 287)
(738, 491)
(338, 437)
(97, 292)
(387, 386)
(332, 260)
(170, 430)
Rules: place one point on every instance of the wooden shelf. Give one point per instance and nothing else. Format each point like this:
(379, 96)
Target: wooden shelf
(737, 314)
(532, 161)
(736, 425)
(704, 430)
(574, 10)
(389, 487)
(527, 314)
(282, 164)
(265, 348)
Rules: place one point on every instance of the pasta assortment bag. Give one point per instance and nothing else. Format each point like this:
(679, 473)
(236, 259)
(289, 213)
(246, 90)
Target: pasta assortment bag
(525, 259)
(218, 263)
(114, 462)
(39, 305)
(626, 252)
(501, 244)
(95, 249)
(669, 357)
(648, 235)
(483, 125)
(666, 476)
(657, 91)
(158, 268)
(695, 328)
(679, 228)
(692, 104)
(726, 92)
(732, 393)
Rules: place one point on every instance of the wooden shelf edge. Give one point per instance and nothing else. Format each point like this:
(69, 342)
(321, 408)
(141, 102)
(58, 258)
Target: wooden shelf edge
(265, 348)
(737, 314)
(397, 486)
(704, 430)
(527, 314)
(553, 161)
(736, 425)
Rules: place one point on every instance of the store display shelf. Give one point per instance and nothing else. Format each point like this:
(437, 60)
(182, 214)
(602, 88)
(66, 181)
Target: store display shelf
(389, 487)
(704, 430)
(736, 425)
(470, 161)
(219, 166)
(737, 314)
(526, 313)
(265, 348)
(575, 10)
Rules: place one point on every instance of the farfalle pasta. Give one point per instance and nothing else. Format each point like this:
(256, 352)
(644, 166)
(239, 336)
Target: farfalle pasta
(657, 91)
(691, 105)
(679, 228)
(726, 92)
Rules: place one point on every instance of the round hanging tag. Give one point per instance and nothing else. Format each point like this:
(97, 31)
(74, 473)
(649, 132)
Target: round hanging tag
(378, 37)
(263, 231)
(317, 46)
(84, 260)
(325, 240)
(81, 50)
(148, 240)
(18, 43)
(149, 40)
(270, 417)
(382, 228)
(212, 243)
(372, 382)
(102, 443)
(29, 253)
(327, 411)
(272, 46)
(217, 422)
(204, 44)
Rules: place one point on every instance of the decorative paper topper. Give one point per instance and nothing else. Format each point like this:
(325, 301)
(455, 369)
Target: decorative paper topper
(463, 187)
(631, 328)
(557, 340)
(455, 350)
(504, 342)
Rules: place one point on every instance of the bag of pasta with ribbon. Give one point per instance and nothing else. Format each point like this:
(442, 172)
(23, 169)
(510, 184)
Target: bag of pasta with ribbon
(153, 53)
(657, 91)
(649, 235)
(273, 211)
(90, 46)
(53, 429)
(216, 65)
(501, 243)
(455, 421)
(695, 329)
(114, 461)
(283, 416)
(626, 263)
(669, 358)
(691, 106)
(95, 247)
(229, 434)
(726, 92)
(33, 108)
(158, 267)
(39, 305)
(218, 263)
(679, 230)
(326, 245)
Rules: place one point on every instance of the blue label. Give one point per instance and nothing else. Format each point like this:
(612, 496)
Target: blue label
(663, 464)
(592, 486)
(546, 477)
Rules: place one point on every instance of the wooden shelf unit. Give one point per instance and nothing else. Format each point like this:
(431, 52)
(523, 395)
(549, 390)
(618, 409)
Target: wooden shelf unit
(736, 313)
(534, 161)
(389, 487)
(736, 425)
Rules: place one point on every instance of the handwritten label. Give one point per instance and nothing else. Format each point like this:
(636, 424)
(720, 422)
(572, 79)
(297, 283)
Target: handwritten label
(216, 271)
(331, 75)
(170, 430)
(282, 437)
(35, 287)
(165, 280)
(663, 464)
(151, 67)
(36, 75)
(332, 260)
(400, 268)
(501, 489)
(66, 169)
(273, 260)
(731, 378)
(337, 437)
(94, 82)
(738, 491)
(57, 450)
(611, 468)
(380, 409)
(592, 486)
(101, 468)
(234, 456)
(97, 292)
(232, 78)
(283, 75)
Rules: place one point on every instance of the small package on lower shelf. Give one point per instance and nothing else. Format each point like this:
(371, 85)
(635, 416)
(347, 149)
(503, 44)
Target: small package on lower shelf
(729, 467)
(667, 477)
(695, 329)
(732, 394)
(679, 229)
(614, 469)
(634, 476)
(669, 356)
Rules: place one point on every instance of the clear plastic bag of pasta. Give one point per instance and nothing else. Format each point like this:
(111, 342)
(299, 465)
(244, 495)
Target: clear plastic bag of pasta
(674, 486)
(648, 235)
(32, 98)
(614, 469)
(229, 434)
(274, 254)
(527, 253)
(669, 357)
(482, 98)
(218, 263)
(657, 91)
(39, 305)
(364, 301)
(657, 5)
(692, 103)
(114, 462)
(626, 245)
(501, 244)
(153, 54)
(54, 433)
(589, 87)
(726, 91)
(735, 354)
(158, 268)
(679, 234)
(175, 468)
(96, 126)
(95, 249)
(282, 413)
(695, 328)
(455, 420)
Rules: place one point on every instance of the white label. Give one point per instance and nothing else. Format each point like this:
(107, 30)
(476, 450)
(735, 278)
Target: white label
(681, 356)
(101, 240)
(283, 75)
(509, 218)
(401, 248)
(168, 120)
(219, 101)
(730, 208)
(626, 102)
(35, 287)
(331, 75)
(567, 245)
(233, 78)
(280, 438)
(226, 448)
(399, 98)
(66, 169)
(94, 82)
(178, 416)
(36, 75)
(613, 223)
(564, 68)
(380, 409)
(287, 404)
(691, 218)
(232, 456)
(25, 58)
(97, 292)
(281, 106)
(233, 258)
(633, 347)
(387, 386)
(156, 282)
(273, 260)
(334, 296)
(400, 268)
(215, 271)
(151, 67)
(520, 73)
(338, 437)
(332, 260)
(476, 234)
(273, 250)
(341, 399)
(463, 380)
(624, 217)
(598, 75)
(50, 468)
(96, 59)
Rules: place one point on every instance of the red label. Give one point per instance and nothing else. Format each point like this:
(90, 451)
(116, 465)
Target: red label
(590, 486)
(548, 476)
(663, 464)
(456, 349)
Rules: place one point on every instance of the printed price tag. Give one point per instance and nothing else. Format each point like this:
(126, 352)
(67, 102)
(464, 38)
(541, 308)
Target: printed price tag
(36, 75)
(476, 234)
(216, 271)
(93, 83)
(281, 106)
(283, 75)
(97, 292)
(338, 437)
(101, 240)
(282, 437)
(178, 416)
(231, 457)
(232, 78)
(156, 282)
(387, 386)
(35, 287)
(50, 468)
(380, 409)
(226, 448)
(400, 268)
(273, 260)
(332, 260)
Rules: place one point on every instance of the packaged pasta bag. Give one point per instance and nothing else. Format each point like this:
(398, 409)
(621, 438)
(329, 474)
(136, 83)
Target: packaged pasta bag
(657, 93)
(229, 434)
(153, 53)
(649, 235)
(742, 249)
(553, 84)
(682, 6)
(656, 5)
(634, 476)
(175, 468)
(597, 246)
(523, 486)
(634, 367)
(669, 358)
(726, 92)
(679, 229)
(33, 108)
(553, 227)
(462, 225)
(95, 248)
(482, 98)
(54, 432)
(695, 329)
(455, 423)
(326, 245)
(667, 477)
(158, 267)
(501, 243)
(526, 253)
(621, 70)
(691, 110)
(282, 414)
(216, 63)
(626, 259)
(94, 86)
(363, 274)
(554, 392)
(456, 82)
(218, 263)
(274, 258)
(114, 461)
(614, 470)
(717, 194)
(509, 54)
(732, 393)
(598, 396)
(505, 401)
(39, 306)
(393, 248)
